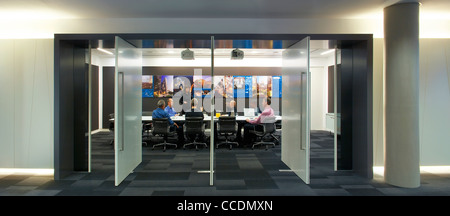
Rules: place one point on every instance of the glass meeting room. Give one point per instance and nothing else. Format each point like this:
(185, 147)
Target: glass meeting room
(228, 113)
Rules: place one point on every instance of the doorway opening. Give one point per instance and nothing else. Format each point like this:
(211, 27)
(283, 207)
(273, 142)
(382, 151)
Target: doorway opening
(238, 161)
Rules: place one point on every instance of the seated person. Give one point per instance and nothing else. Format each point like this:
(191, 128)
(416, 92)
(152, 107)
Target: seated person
(169, 109)
(185, 100)
(160, 113)
(250, 125)
(195, 111)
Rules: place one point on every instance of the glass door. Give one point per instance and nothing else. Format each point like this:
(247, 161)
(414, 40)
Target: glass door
(128, 109)
(178, 73)
(296, 109)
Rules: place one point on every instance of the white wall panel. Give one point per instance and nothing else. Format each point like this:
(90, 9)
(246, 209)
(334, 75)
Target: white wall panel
(318, 97)
(6, 104)
(434, 98)
(378, 112)
(30, 82)
(434, 101)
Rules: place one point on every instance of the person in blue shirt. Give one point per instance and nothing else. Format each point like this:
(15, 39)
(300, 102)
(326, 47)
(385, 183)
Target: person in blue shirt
(160, 113)
(169, 109)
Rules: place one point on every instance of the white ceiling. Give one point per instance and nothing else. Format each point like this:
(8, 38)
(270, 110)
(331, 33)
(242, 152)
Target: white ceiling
(329, 9)
(317, 49)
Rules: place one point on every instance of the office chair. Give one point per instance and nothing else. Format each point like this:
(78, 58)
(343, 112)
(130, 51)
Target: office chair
(146, 129)
(111, 127)
(227, 126)
(193, 130)
(269, 128)
(161, 127)
(146, 126)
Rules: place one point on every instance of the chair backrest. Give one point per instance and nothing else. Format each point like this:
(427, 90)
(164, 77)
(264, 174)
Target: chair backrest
(160, 126)
(193, 125)
(227, 124)
(194, 114)
(269, 124)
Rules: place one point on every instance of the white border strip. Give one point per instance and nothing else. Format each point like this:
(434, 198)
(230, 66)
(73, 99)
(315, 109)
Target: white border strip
(379, 170)
(26, 171)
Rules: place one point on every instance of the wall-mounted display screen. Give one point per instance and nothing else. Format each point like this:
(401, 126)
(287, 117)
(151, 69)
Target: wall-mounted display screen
(183, 84)
(242, 86)
(163, 86)
(263, 86)
(223, 86)
(200, 86)
(147, 86)
(276, 86)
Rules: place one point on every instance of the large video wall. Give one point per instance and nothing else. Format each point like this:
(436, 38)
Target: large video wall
(200, 86)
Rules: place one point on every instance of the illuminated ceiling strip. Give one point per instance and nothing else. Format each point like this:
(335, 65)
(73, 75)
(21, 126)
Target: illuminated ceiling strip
(379, 170)
(27, 171)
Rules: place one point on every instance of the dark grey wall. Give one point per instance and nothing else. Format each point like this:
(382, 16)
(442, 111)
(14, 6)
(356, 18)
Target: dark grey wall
(345, 108)
(354, 102)
(330, 99)
(80, 81)
(70, 110)
(63, 125)
(108, 94)
(362, 109)
(94, 99)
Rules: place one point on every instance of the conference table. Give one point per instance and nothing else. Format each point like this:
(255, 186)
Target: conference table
(206, 118)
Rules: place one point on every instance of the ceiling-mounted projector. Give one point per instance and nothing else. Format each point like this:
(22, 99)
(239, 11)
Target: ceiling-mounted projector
(187, 54)
(237, 54)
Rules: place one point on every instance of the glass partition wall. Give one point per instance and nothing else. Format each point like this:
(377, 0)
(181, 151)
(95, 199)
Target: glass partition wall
(178, 78)
(218, 78)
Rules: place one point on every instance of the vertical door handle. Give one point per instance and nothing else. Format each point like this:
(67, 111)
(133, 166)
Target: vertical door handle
(303, 78)
(122, 117)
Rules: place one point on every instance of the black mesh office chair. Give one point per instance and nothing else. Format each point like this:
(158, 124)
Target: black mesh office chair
(194, 130)
(146, 128)
(268, 129)
(145, 133)
(227, 127)
(111, 127)
(161, 127)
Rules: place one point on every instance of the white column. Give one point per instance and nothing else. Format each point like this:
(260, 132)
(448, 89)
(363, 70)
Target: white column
(401, 36)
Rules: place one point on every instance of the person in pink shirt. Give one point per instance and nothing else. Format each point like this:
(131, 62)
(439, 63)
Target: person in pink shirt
(250, 125)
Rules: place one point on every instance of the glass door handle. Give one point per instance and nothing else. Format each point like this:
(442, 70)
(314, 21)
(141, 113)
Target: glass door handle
(122, 117)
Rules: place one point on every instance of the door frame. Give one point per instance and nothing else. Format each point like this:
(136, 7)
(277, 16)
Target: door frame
(66, 45)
